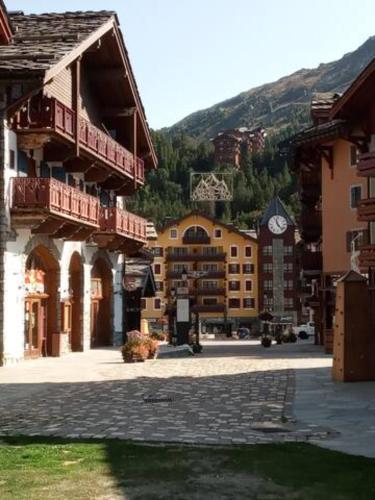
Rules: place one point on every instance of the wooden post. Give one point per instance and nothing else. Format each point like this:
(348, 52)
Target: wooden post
(354, 342)
(76, 102)
(135, 151)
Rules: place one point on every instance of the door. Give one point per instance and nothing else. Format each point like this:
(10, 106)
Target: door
(34, 328)
(94, 322)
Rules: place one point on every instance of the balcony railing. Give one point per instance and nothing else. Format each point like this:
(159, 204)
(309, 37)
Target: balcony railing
(366, 164)
(177, 275)
(47, 114)
(201, 256)
(51, 196)
(366, 210)
(367, 257)
(117, 221)
(204, 308)
(202, 291)
(198, 239)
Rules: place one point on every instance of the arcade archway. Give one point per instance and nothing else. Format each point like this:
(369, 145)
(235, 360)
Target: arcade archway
(101, 304)
(41, 304)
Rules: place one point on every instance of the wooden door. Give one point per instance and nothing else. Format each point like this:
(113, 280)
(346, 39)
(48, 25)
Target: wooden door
(94, 321)
(34, 328)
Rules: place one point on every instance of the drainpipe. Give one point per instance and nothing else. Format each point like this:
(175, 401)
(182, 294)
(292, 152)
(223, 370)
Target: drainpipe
(3, 232)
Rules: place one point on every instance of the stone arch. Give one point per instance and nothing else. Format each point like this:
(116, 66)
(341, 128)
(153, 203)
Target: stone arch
(46, 312)
(45, 241)
(196, 229)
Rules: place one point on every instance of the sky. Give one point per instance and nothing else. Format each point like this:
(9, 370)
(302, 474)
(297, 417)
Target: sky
(190, 54)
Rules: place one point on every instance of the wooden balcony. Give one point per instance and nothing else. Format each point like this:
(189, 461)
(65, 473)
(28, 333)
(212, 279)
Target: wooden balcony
(196, 240)
(366, 164)
(49, 206)
(45, 117)
(120, 230)
(366, 210)
(214, 308)
(367, 257)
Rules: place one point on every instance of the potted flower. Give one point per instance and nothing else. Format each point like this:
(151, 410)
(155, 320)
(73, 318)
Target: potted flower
(266, 341)
(152, 346)
(135, 350)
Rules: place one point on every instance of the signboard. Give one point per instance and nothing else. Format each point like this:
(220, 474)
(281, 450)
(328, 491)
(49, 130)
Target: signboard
(182, 290)
(129, 283)
(212, 186)
(34, 281)
(183, 315)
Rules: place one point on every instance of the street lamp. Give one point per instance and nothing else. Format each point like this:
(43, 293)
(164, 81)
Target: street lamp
(184, 276)
(171, 315)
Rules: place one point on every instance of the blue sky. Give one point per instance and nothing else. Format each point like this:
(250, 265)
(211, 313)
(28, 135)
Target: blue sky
(190, 54)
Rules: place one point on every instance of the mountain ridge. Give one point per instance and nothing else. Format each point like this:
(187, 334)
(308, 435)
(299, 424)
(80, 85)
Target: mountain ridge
(275, 105)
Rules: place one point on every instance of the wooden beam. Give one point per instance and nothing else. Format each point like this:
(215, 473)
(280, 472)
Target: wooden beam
(119, 112)
(66, 231)
(135, 147)
(112, 183)
(77, 165)
(76, 101)
(95, 174)
(107, 74)
(49, 226)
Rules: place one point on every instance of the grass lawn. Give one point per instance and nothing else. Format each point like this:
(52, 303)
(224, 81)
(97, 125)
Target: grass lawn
(34, 469)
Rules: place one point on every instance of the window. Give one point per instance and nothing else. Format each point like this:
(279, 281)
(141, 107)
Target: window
(288, 250)
(248, 251)
(248, 285)
(179, 268)
(210, 250)
(178, 284)
(234, 303)
(268, 302)
(157, 268)
(355, 196)
(249, 303)
(234, 269)
(209, 267)
(173, 234)
(288, 267)
(267, 268)
(248, 268)
(157, 304)
(355, 239)
(12, 159)
(143, 304)
(196, 233)
(268, 284)
(209, 301)
(267, 250)
(217, 233)
(157, 251)
(180, 251)
(288, 284)
(353, 156)
(288, 303)
(159, 285)
(234, 286)
(209, 285)
(233, 251)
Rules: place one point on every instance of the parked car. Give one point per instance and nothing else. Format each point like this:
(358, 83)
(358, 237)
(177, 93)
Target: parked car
(305, 331)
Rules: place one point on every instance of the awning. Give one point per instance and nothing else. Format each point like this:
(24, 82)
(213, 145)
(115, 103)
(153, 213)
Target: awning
(139, 276)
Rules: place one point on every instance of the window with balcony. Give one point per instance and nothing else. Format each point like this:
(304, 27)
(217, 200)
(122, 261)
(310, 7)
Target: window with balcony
(355, 196)
(207, 251)
(179, 251)
(210, 267)
(179, 268)
(234, 286)
(234, 303)
(234, 269)
(209, 301)
(209, 285)
(249, 303)
(248, 268)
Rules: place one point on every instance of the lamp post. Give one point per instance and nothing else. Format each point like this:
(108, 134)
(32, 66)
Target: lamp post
(171, 311)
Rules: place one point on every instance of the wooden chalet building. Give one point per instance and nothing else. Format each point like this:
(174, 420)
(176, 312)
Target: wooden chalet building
(231, 145)
(335, 162)
(74, 143)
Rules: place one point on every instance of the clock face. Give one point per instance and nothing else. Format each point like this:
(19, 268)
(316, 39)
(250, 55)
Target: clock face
(277, 224)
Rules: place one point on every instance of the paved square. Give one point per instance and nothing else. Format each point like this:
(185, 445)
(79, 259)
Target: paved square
(234, 392)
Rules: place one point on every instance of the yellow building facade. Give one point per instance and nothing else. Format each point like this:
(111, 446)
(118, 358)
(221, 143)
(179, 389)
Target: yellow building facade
(222, 267)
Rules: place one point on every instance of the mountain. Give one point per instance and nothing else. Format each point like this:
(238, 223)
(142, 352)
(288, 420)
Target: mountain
(278, 104)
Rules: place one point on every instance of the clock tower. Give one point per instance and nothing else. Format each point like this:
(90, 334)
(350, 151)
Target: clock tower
(277, 264)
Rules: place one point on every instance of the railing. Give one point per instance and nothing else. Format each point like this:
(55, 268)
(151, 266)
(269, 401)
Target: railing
(366, 164)
(37, 193)
(205, 308)
(118, 221)
(366, 209)
(210, 275)
(43, 113)
(196, 240)
(367, 256)
(201, 256)
(207, 291)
